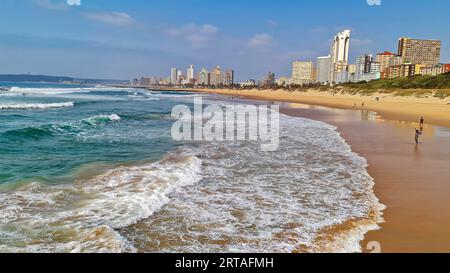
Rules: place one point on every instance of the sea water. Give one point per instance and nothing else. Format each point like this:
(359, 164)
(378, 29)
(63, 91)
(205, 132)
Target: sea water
(94, 169)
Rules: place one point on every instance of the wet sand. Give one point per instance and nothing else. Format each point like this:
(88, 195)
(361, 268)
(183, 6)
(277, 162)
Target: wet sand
(410, 108)
(412, 181)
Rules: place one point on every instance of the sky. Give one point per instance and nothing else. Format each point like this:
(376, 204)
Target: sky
(124, 39)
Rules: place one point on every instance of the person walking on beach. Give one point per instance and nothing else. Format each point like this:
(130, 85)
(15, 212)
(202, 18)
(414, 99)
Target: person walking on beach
(422, 121)
(418, 134)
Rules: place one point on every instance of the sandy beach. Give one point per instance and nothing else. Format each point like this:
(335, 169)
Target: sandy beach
(412, 181)
(407, 108)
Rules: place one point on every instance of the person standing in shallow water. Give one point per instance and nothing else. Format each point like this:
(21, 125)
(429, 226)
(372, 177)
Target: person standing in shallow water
(422, 121)
(418, 134)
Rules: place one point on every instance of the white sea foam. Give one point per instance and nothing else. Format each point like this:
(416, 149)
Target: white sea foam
(36, 105)
(235, 199)
(253, 201)
(56, 91)
(84, 217)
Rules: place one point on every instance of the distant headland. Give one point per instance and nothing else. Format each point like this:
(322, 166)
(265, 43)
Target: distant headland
(54, 79)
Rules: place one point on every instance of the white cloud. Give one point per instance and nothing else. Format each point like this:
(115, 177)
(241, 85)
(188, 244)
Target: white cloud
(198, 36)
(260, 40)
(51, 4)
(112, 18)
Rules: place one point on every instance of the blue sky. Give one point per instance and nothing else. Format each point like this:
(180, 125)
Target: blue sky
(122, 39)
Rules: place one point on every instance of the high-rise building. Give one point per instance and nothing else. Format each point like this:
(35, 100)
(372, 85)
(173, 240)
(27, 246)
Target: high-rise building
(339, 56)
(228, 77)
(216, 76)
(387, 59)
(174, 76)
(190, 73)
(415, 51)
(366, 69)
(180, 76)
(203, 77)
(363, 66)
(302, 73)
(323, 69)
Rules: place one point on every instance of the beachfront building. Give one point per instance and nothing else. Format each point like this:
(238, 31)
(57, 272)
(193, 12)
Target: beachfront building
(435, 70)
(180, 76)
(341, 77)
(174, 76)
(190, 73)
(302, 73)
(399, 71)
(366, 69)
(228, 77)
(216, 76)
(339, 57)
(416, 51)
(362, 64)
(387, 59)
(323, 69)
(203, 77)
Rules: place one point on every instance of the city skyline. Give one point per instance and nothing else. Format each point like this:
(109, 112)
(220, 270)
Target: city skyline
(124, 43)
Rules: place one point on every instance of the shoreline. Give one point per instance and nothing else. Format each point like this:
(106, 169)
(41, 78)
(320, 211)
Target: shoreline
(410, 180)
(435, 110)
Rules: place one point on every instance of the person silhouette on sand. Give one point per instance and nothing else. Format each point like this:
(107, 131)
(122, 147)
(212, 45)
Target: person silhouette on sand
(422, 121)
(417, 136)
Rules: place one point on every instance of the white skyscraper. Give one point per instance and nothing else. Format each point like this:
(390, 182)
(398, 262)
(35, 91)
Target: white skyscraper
(174, 76)
(190, 73)
(339, 56)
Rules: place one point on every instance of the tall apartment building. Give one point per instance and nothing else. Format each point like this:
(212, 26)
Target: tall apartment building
(174, 76)
(228, 77)
(339, 57)
(323, 69)
(302, 73)
(216, 76)
(387, 59)
(203, 77)
(363, 66)
(415, 51)
(190, 73)
(367, 69)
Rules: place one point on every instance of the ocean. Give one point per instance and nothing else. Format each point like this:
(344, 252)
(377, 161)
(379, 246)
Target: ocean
(95, 169)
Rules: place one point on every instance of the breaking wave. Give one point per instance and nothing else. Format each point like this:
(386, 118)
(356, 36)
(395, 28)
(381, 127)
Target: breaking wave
(85, 217)
(36, 106)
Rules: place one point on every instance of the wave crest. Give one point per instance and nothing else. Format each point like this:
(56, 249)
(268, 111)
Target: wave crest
(84, 217)
(50, 130)
(26, 106)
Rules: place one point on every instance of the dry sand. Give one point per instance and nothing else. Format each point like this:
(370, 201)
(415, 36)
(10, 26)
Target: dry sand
(435, 110)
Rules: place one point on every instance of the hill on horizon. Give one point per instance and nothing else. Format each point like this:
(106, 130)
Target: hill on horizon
(53, 79)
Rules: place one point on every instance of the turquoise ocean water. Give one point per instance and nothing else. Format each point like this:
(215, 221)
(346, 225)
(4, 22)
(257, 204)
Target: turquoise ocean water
(94, 169)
